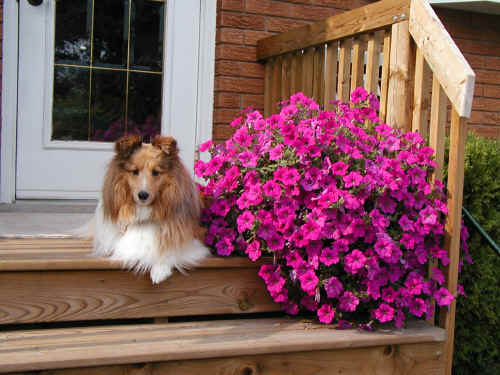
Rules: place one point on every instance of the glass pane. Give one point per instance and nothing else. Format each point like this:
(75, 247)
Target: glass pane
(120, 91)
(146, 35)
(110, 32)
(108, 105)
(72, 38)
(70, 120)
(144, 104)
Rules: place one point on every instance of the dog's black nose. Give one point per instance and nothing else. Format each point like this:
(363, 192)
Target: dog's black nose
(143, 195)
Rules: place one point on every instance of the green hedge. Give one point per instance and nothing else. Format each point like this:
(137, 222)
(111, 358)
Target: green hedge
(477, 330)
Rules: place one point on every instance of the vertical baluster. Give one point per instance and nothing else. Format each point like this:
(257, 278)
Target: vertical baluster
(421, 92)
(458, 134)
(372, 63)
(436, 141)
(398, 98)
(319, 74)
(330, 74)
(268, 75)
(358, 63)
(344, 69)
(437, 125)
(276, 85)
(285, 76)
(295, 72)
(308, 71)
(384, 84)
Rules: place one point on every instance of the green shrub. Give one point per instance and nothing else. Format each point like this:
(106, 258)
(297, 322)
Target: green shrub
(478, 315)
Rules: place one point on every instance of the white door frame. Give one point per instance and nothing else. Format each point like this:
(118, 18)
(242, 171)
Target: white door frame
(177, 108)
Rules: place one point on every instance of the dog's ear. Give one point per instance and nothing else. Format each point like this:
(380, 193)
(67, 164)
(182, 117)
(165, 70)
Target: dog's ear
(167, 144)
(125, 146)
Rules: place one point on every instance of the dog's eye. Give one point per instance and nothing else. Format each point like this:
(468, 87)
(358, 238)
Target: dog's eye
(135, 171)
(155, 172)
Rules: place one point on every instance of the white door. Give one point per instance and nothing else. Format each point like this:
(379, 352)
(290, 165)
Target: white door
(91, 71)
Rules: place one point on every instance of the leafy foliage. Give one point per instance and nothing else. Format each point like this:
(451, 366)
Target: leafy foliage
(477, 330)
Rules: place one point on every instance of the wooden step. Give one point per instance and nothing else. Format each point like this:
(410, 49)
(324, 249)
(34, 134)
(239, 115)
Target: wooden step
(100, 346)
(53, 280)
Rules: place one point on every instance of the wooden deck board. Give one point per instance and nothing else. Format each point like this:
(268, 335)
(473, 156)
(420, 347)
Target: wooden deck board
(66, 348)
(73, 254)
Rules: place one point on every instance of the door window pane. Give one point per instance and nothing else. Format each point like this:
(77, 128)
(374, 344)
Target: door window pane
(108, 69)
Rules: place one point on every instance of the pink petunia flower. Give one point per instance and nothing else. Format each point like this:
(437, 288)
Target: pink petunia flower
(384, 313)
(443, 297)
(308, 282)
(333, 287)
(326, 314)
(245, 221)
(348, 302)
(253, 250)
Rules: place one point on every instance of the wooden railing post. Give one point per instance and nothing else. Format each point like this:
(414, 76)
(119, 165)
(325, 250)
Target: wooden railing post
(458, 135)
(421, 105)
(398, 100)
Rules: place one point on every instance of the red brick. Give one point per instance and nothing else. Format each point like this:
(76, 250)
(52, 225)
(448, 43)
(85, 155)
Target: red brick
(241, 85)
(242, 21)
(238, 68)
(478, 47)
(488, 76)
(486, 118)
(251, 37)
(225, 115)
(491, 91)
(231, 5)
(256, 101)
(486, 131)
(478, 90)
(312, 13)
(486, 104)
(235, 52)
(227, 100)
(273, 8)
(230, 35)
(492, 62)
(283, 24)
(342, 4)
(475, 61)
(222, 132)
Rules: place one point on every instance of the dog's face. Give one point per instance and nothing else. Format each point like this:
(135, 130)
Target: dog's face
(146, 166)
(139, 171)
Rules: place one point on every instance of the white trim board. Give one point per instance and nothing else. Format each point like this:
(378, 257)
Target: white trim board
(9, 102)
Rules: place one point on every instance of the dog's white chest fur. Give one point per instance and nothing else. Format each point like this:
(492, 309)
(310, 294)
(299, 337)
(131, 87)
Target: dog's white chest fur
(137, 246)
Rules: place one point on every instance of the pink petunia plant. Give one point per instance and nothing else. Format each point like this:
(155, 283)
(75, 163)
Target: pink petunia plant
(343, 202)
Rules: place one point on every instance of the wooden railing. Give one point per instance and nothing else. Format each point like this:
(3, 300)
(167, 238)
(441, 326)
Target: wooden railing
(399, 50)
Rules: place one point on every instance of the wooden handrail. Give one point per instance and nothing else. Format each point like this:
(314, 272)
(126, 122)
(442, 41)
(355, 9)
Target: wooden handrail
(443, 56)
(368, 18)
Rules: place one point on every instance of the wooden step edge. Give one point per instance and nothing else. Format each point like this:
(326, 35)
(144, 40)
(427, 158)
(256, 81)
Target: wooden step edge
(73, 254)
(78, 262)
(217, 339)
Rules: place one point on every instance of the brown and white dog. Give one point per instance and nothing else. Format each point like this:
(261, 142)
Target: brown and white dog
(148, 217)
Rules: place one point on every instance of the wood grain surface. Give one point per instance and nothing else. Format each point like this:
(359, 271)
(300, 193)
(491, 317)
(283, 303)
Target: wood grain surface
(409, 359)
(71, 254)
(368, 18)
(50, 296)
(99, 346)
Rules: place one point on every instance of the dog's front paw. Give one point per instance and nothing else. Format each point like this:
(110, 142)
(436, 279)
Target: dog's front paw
(160, 272)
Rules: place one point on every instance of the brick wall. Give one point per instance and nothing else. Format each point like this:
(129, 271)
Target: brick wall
(239, 78)
(239, 81)
(478, 37)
